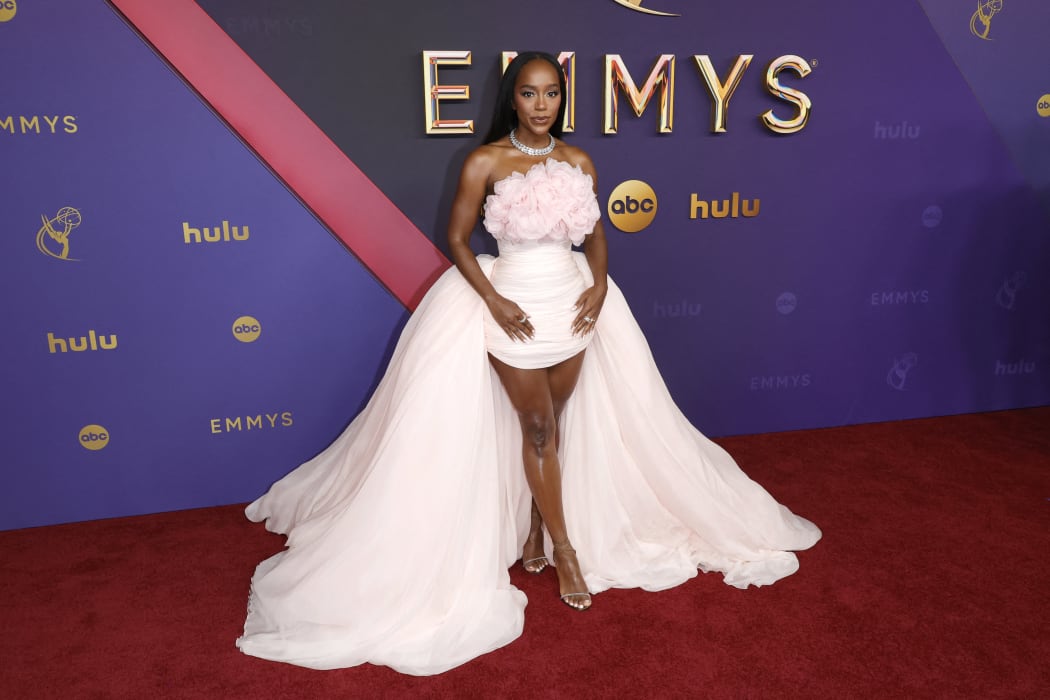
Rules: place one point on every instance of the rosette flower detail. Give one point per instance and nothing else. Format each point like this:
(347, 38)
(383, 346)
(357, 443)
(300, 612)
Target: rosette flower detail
(553, 200)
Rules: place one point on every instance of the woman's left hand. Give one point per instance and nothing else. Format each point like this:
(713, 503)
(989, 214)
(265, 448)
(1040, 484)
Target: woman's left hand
(589, 305)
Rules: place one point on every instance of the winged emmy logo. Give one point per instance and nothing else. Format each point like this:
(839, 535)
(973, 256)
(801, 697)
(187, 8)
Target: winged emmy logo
(981, 21)
(636, 5)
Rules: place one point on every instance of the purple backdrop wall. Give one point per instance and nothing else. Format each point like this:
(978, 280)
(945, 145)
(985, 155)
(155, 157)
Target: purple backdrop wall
(897, 266)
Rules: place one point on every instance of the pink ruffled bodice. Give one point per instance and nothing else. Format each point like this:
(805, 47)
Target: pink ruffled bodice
(551, 201)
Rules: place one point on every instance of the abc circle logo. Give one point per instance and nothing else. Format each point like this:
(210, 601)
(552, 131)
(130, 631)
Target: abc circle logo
(787, 303)
(1043, 106)
(246, 329)
(8, 8)
(632, 206)
(932, 216)
(93, 437)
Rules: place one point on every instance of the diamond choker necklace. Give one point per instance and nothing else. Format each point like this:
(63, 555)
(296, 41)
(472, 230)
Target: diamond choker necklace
(528, 150)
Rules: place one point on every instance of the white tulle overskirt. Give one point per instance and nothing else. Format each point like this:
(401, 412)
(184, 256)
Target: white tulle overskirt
(430, 471)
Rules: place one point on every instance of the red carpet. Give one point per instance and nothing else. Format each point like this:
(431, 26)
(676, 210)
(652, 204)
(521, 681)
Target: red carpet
(931, 582)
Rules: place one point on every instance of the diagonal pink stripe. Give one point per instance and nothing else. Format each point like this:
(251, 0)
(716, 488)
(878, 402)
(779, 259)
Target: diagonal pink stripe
(328, 182)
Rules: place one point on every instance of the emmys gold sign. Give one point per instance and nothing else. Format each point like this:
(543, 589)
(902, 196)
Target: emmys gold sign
(93, 437)
(632, 206)
(260, 421)
(246, 329)
(619, 84)
(8, 8)
(32, 124)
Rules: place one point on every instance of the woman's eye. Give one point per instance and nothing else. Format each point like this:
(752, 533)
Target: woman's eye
(552, 93)
(527, 93)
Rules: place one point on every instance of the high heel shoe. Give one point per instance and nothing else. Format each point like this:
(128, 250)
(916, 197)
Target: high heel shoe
(579, 600)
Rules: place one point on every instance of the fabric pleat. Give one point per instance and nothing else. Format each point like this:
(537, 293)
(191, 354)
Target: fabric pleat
(542, 278)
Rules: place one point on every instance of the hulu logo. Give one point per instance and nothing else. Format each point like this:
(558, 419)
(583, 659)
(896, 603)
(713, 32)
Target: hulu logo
(899, 130)
(225, 232)
(723, 208)
(91, 341)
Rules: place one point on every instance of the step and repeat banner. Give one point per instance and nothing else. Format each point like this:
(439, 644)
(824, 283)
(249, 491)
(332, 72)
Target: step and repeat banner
(820, 217)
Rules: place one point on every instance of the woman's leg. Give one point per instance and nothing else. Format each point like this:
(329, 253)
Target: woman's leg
(533, 560)
(562, 381)
(530, 392)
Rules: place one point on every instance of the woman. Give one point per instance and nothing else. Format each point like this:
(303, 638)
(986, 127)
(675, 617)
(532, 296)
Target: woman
(538, 373)
(401, 532)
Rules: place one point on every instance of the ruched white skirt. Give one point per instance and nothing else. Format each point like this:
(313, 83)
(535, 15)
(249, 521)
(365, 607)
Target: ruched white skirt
(543, 279)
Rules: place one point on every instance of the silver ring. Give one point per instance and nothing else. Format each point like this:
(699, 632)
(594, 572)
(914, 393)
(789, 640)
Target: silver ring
(524, 318)
(588, 319)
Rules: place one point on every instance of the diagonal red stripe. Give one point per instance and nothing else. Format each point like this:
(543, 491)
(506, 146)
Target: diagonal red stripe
(328, 182)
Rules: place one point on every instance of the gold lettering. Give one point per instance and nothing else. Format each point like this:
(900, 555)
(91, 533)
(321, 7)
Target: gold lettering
(721, 91)
(215, 234)
(188, 232)
(617, 76)
(8, 124)
(254, 421)
(733, 207)
(272, 419)
(55, 344)
(795, 97)
(567, 61)
(71, 124)
(33, 123)
(286, 418)
(52, 122)
(92, 341)
(434, 93)
(233, 423)
(697, 206)
(216, 428)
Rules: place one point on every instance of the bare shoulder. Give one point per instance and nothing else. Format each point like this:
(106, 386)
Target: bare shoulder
(486, 162)
(575, 155)
(481, 161)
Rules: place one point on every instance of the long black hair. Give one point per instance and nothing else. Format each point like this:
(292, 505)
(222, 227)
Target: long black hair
(505, 118)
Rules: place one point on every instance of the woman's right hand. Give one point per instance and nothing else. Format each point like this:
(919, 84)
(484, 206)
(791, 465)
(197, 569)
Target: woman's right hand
(514, 322)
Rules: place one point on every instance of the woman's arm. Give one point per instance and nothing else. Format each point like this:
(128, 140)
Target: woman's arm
(470, 194)
(596, 251)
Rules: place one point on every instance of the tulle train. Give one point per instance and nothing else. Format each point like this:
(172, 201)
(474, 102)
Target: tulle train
(401, 532)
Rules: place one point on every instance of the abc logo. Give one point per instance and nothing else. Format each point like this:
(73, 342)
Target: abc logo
(787, 303)
(8, 8)
(1043, 106)
(246, 329)
(632, 206)
(932, 216)
(93, 437)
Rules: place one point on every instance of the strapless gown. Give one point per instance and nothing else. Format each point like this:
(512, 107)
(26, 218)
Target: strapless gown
(401, 533)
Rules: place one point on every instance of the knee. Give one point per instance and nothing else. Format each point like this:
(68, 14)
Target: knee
(538, 429)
